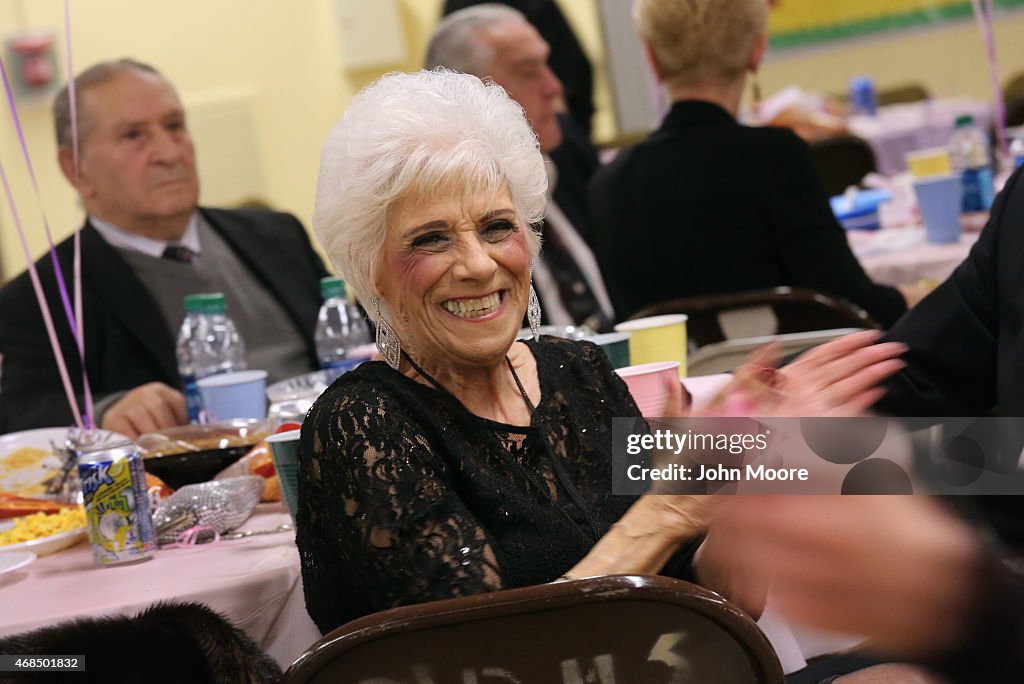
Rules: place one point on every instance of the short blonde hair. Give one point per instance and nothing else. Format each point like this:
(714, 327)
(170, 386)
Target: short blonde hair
(701, 42)
(414, 134)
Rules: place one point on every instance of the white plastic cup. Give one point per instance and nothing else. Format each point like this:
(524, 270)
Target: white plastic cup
(234, 395)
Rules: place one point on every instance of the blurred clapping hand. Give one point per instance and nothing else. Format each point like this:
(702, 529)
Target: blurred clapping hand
(897, 569)
(838, 378)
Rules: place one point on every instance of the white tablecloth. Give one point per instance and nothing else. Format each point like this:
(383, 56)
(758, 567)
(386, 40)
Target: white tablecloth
(903, 128)
(899, 256)
(254, 582)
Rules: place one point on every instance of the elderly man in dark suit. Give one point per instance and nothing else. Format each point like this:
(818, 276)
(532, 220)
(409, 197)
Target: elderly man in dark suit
(568, 60)
(145, 245)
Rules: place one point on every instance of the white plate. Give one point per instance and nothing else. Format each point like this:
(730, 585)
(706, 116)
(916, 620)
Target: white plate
(44, 546)
(11, 561)
(27, 480)
(306, 386)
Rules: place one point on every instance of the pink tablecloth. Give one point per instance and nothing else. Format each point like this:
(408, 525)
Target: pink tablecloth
(254, 582)
(898, 129)
(899, 256)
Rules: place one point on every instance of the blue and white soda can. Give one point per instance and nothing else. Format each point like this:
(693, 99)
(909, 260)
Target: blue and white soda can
(116, 504)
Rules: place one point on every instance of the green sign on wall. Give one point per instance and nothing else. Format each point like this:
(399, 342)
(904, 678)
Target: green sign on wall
(806, 22)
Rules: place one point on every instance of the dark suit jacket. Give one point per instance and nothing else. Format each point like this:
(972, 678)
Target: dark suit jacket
(966, 338)
(705, 206)
(127, 340)
(576, 162)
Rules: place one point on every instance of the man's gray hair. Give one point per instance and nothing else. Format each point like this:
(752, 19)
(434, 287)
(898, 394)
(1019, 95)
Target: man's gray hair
(455, 43)
(422, 135)
(95, 75)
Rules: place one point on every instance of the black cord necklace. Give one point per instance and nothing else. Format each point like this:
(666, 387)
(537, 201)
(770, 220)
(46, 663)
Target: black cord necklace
(597, 529)
(438, 386)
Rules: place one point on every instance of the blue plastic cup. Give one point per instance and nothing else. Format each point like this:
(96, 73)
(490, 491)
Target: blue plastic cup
(234, 395)
(939, 200)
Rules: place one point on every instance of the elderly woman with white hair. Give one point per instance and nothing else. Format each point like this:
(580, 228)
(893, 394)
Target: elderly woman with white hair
(466, 461)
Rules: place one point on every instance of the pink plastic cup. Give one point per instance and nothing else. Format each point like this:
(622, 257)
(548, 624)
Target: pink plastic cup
(652, 385)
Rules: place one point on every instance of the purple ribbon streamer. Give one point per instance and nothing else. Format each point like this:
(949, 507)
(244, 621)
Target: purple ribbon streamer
(983, 14)
(31, 172)
(61, 284)
(44, 308)
(77, 268)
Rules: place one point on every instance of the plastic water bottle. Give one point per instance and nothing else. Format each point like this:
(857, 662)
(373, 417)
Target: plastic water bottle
(342, 336)
(1017, 152)
(969, 154)
(863, 99)
(208, 343)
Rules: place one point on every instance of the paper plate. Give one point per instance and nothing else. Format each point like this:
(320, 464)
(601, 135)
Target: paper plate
(11, 561)
(307, 386)
(27, 458)
(44, 546)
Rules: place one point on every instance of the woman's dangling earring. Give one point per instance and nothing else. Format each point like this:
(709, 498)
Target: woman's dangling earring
(388, 344)
(533, 309)
(755, 88)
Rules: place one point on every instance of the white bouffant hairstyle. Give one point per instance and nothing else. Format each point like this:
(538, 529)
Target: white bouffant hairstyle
(411, 135)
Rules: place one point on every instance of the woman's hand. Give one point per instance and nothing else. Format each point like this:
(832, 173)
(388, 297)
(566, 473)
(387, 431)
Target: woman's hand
(899, 569)
(735, 576)
(677, 403)
(838, 378)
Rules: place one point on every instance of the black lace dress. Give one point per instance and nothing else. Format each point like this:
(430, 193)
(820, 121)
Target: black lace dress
(406, 497)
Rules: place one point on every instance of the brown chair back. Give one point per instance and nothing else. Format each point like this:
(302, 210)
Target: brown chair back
(902, 94)
(897, 94)
(621, 628)
(791, 310)
(842, 161)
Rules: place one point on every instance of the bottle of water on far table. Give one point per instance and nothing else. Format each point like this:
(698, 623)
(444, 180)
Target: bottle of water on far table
(863, 99)
(342, 336)
(1017, 151)
(969, 154)
(208, 343)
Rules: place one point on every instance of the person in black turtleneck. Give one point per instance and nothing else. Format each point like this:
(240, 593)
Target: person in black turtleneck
(705, 205)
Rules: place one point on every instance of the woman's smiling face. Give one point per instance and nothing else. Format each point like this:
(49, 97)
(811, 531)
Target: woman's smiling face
(455, 275)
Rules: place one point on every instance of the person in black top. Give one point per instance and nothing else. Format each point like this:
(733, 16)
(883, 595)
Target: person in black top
(465, 461)
(705, 205)
(940, 584)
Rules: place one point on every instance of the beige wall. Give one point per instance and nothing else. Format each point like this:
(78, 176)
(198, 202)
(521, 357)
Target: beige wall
(277, 60)
(949, 59)
(263, 83)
